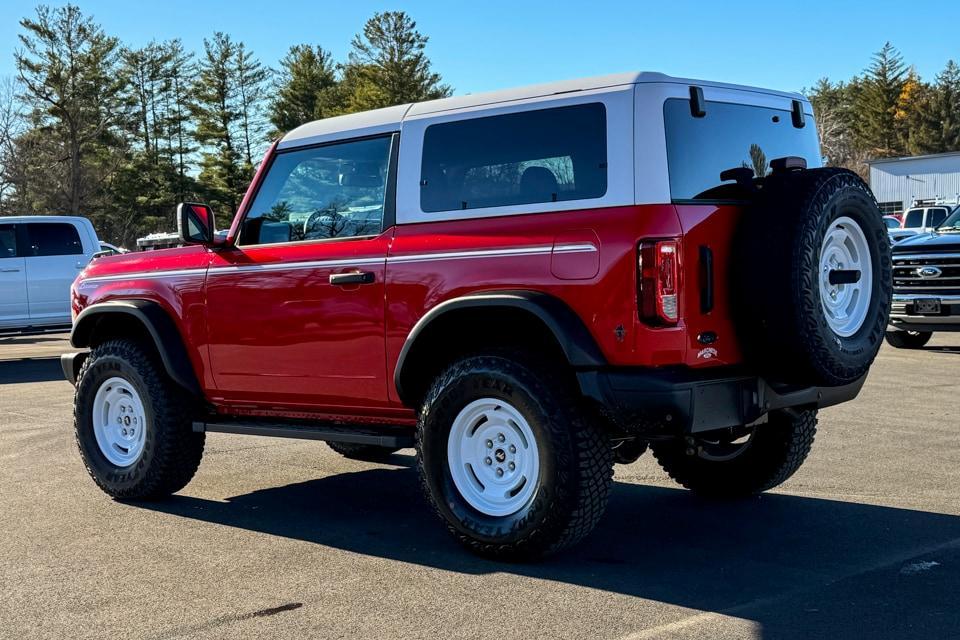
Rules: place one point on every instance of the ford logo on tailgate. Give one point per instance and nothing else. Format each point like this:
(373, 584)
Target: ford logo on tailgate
(929, 272)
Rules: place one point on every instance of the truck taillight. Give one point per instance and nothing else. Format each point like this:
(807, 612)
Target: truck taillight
(658, 270)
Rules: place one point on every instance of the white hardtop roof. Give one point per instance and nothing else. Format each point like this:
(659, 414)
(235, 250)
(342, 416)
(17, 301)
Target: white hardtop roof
(389, 119)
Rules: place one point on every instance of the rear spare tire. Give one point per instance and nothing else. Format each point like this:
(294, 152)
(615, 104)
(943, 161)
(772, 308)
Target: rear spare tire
(813, 277)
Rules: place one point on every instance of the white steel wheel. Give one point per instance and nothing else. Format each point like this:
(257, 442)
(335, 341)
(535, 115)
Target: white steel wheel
(493, 457)
(845, 251)
(119, 422)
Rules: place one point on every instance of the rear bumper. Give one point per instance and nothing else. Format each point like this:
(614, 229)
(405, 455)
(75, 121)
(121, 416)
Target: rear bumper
(71, 363)
(902, 314)
(691, 401)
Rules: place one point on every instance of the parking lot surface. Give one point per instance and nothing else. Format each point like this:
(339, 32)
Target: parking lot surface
(285, 539)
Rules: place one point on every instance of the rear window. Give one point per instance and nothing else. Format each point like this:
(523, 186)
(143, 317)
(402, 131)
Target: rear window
(53, 239)
(547, 155)
(913, 219)
(729, 136)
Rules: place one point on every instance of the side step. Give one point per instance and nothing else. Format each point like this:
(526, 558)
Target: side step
(381, 435)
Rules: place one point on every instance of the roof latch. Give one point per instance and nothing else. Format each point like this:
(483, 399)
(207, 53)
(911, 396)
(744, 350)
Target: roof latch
(799, 119)
(697, 104)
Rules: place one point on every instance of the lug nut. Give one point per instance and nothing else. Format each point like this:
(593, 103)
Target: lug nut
(513, 449)
(512, 466)
(499, 471)
(489, 444)
(488, 461)
(501, 438)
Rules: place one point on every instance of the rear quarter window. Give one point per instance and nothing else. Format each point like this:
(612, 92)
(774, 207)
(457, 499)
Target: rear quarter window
(543, 155)
(729, 136)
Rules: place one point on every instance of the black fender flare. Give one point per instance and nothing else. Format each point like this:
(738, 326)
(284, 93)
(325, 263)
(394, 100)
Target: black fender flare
(575, 340)
(158, 323)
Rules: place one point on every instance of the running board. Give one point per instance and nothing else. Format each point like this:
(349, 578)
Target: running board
(380, 435)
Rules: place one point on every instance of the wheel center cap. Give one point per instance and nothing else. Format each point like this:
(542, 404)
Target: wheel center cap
(500, 455)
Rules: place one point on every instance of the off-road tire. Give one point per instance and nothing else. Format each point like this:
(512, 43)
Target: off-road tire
(364, 452)
(576, 459)
(172, 450)
(777, 450)
(908, 339)
(780, 319)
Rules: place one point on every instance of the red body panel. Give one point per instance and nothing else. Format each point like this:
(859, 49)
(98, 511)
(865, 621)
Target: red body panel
(178, 289)
(268, 334)
(281, 335)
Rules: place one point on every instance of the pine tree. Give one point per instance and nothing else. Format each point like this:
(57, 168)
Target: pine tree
(916, 119)
(68, 68)
(177, 123)
(217, 120)
(878, 128)
(946, 108)
(250, 77)
(11, 127)
(388, 65)
(305, 80)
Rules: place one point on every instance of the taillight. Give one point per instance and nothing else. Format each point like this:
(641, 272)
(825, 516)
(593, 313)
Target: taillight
(658, 269)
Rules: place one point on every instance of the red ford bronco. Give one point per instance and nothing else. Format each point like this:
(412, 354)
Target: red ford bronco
(527, 286)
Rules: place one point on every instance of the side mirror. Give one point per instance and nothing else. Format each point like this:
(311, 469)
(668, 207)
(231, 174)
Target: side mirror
(195, 223)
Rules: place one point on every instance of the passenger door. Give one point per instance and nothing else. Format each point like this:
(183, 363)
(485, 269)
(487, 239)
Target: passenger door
(54, 256)
(296, 308)
(13, 280)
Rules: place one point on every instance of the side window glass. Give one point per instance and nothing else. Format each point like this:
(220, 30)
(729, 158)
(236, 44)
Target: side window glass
(333, 191)
(8, 241)
(913, 219)
(545, 155)
(53, 239)
(937, 216)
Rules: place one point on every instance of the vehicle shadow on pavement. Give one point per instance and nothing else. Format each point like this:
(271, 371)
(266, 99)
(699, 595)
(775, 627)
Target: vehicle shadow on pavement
(789, 563)
(943, 349)
(30, 370)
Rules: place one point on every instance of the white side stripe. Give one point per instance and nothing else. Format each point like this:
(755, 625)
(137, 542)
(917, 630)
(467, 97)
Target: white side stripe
(351, 262)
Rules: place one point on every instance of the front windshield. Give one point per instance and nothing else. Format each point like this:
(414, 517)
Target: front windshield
(892, 223)
(952, 223)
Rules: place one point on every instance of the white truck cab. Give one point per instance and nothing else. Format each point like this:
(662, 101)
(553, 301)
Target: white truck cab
(40, 256)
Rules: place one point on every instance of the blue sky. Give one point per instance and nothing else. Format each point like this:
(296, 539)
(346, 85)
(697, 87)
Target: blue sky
(492, 44)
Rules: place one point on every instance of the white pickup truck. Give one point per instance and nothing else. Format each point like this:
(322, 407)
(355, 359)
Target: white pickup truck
(40, 256)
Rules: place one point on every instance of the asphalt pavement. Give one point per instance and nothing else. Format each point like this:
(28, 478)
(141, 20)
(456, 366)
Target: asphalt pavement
(285, 539)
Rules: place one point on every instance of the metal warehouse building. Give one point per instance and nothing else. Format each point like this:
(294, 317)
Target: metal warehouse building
(899, 182)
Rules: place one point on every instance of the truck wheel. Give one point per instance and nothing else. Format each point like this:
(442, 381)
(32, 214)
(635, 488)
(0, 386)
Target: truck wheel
(133, 424)
(813, 283)
(509, 460)
(908, 339)
(365, 452)
(740, 462)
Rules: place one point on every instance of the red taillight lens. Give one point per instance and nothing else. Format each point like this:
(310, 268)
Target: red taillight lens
(659, 277)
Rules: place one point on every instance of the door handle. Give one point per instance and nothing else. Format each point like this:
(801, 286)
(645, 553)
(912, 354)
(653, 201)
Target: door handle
(9, 270)
(353, 277)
